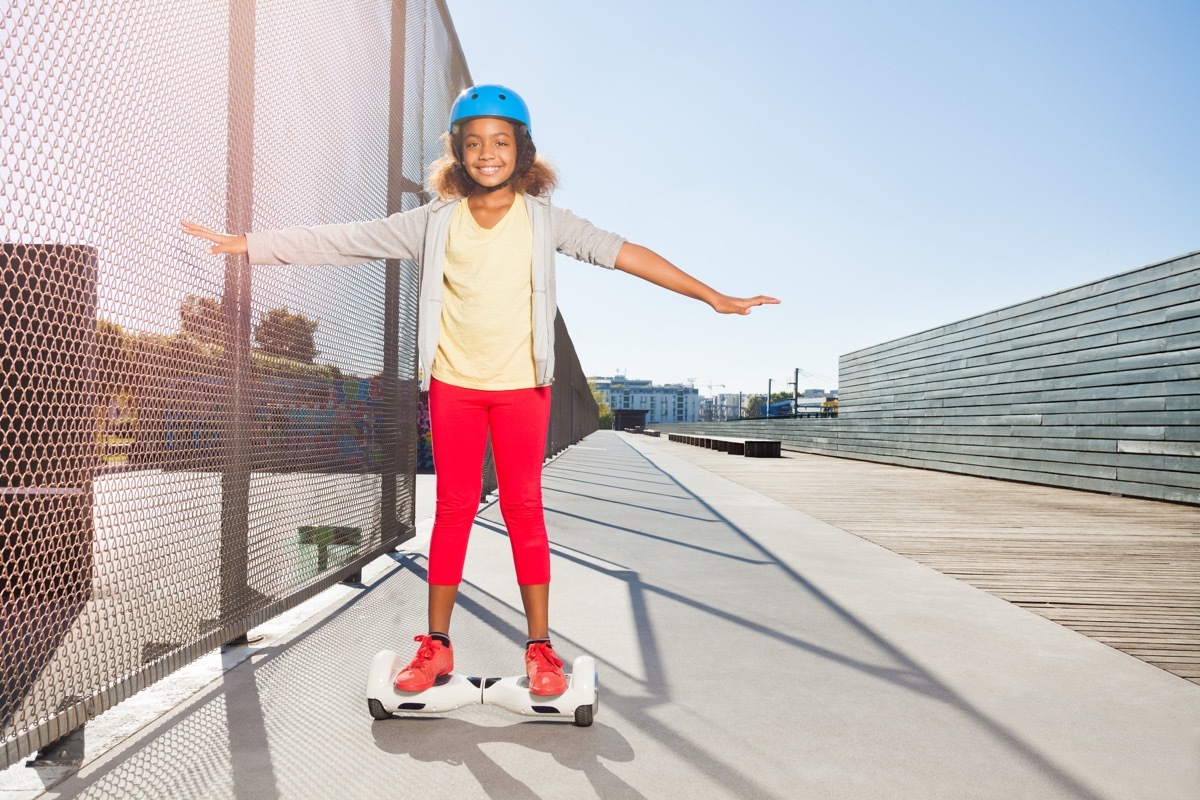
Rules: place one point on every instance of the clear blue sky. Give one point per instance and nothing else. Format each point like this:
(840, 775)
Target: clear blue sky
(881, 167)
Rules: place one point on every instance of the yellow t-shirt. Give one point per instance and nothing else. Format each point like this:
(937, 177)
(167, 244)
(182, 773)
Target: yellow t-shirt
(486, 338)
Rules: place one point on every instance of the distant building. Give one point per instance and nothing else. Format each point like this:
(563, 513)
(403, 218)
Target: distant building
(727, 405)
(667, 403)
(811, 401)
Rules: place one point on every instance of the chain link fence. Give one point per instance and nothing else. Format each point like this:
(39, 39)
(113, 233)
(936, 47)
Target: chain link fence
(187, 452)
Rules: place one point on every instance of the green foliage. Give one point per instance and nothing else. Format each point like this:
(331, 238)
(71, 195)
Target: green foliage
(287, 335)
(129, 363)
(606, 415)
(108, 332)
(267, 366)
(754, 406)
(202, 318)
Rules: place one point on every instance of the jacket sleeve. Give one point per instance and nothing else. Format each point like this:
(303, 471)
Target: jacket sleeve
(397, 236)
(578, 238)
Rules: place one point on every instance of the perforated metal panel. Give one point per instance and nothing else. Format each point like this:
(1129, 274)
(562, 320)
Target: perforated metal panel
(191, 445)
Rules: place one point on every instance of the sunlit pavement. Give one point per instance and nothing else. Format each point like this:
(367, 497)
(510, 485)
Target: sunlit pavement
(744, 650)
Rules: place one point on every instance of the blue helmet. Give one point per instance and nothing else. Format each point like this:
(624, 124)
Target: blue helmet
(488, 100)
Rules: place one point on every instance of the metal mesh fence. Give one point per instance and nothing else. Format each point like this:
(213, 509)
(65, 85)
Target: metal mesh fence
(573, 412)
(186, 451)
(573, 409)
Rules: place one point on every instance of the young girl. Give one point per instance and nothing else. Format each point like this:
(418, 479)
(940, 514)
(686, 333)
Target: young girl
(485, 337)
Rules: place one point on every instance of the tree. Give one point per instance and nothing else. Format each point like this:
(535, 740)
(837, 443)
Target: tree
(754, 406)
(202, 318)
(286, 335)
(606, 416)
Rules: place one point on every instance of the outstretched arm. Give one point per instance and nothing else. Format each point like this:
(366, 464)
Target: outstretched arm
(400, 235)
(222, 242)
(649, 265)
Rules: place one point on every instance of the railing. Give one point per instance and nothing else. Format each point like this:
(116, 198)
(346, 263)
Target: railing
(191, 447)
(798, 415)
(573, 410)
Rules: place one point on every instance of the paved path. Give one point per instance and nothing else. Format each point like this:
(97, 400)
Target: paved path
(1121, 570)
(744, 648)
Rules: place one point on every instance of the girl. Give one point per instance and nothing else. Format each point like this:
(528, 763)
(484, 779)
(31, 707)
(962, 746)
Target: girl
(485, 337)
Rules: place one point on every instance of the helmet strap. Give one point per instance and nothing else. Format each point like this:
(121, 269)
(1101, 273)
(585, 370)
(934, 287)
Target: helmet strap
(490, 189)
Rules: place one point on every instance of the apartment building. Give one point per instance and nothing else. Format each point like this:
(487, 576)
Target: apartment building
(674, 402)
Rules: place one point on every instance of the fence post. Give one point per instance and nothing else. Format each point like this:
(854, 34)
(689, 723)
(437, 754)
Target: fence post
(235, 463)
(389, 524)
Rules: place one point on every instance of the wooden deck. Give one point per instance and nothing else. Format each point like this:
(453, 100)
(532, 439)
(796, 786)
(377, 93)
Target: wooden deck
(1120, 570)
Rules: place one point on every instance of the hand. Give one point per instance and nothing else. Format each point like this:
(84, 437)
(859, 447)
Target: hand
(724, 304)
(223, 242)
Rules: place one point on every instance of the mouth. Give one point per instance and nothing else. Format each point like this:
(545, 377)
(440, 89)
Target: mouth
(488, 170)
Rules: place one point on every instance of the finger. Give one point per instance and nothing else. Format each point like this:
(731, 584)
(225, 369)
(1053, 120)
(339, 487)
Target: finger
(750, 302)
(193, 229)
(203, 233)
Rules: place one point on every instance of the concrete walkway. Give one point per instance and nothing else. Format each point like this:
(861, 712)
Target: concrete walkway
(744, 649)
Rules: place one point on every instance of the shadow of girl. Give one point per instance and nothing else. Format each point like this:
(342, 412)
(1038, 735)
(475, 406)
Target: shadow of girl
(459, 742)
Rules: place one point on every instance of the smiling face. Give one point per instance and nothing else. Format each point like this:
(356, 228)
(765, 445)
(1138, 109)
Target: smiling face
(489, 151)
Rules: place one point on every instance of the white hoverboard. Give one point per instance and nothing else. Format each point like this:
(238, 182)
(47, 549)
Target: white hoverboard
(580, 701)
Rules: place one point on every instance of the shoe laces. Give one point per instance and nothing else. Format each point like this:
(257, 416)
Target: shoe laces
(544, 657)
(426, 651)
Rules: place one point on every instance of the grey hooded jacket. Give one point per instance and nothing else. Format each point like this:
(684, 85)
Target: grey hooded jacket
(420, 235)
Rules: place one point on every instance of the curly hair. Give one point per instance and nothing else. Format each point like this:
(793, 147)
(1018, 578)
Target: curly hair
(532, 174)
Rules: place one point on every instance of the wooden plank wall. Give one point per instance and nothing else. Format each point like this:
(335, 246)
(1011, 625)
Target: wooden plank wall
(1096, 387)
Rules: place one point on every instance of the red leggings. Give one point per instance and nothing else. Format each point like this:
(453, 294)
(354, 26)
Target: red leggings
(460, 420)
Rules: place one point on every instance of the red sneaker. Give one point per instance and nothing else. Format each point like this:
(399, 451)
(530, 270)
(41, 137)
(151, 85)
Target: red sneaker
(433, 660)
(544, 669)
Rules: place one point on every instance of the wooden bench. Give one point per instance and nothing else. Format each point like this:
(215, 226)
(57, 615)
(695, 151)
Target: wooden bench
(751, 448)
